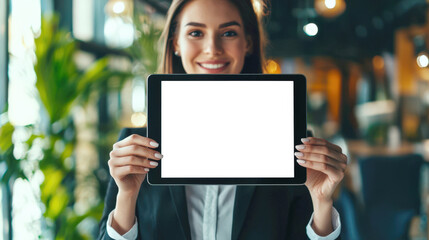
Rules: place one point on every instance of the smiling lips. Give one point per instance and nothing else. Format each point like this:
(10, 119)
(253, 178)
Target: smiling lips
(213, 67)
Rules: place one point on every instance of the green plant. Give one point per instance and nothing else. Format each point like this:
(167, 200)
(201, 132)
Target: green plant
(60, 86)
(6, 153)
(144, 50)
(144, 53)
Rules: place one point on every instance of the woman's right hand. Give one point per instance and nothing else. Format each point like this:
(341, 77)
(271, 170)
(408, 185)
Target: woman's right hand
(130, 161)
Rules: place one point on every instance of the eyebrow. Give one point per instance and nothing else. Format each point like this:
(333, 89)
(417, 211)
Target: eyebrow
(232, 23)
(223, 25)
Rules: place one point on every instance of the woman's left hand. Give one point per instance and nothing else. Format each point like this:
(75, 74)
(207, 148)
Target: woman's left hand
(325, 165)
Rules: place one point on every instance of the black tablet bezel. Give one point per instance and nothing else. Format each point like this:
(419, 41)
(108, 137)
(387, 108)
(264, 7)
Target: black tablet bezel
(154, 125)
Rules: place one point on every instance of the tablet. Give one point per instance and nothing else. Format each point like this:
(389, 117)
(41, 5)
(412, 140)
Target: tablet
(227, 129)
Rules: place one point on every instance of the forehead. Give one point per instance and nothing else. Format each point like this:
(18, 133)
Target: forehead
(209, 12)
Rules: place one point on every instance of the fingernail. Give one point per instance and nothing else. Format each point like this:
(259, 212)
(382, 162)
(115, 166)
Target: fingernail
(146, 169)
(298, 154)
(304, 140)
(300, 161)
(153, 163)
(154, 144)
(157, 155)
(300, 147)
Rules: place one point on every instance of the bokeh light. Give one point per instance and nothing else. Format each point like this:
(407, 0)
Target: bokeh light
(423, 60)
(118, 7)
(311, 29)
(330, 4)
(139, 119)
(273, 67)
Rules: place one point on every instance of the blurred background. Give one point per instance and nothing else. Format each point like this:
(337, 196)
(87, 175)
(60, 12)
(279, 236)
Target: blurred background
(72, 74)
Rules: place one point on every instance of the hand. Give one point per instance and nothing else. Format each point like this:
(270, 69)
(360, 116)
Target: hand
(130, 161)
(325, 165)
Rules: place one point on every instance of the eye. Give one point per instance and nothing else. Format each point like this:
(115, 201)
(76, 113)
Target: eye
(195, 33)
(229, 34)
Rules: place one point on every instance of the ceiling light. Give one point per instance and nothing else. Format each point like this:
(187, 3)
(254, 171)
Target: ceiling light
(118, 7)
(423, 60)
(311, 29)
(330, 4)
(329, 8)
(121, 8)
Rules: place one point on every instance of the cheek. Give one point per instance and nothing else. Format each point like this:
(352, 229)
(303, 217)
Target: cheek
(238, 52)
(188, 51)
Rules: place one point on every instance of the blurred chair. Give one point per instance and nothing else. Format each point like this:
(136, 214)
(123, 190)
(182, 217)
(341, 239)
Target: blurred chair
(391, 195)
(346, 205)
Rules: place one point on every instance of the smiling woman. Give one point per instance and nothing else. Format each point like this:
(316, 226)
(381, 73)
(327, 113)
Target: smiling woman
(223, 37)
(211, 39)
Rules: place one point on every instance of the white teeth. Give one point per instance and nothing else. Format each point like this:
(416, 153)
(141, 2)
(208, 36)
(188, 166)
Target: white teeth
(212, 66)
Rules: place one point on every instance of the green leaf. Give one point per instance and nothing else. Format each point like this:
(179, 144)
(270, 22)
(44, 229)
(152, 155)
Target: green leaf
(6, 132)
(53, 179)
(145, 48)
(61, 86)
(57, 203)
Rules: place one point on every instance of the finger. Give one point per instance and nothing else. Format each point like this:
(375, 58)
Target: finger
(135, 150)
(136, 139)
(127, 160)
(132, 160)
(322, 159)
(121, 172)
(321, 142)
(333, 173)
(325, 150)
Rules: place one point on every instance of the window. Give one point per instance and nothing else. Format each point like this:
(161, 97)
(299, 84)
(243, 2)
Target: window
(3, 54)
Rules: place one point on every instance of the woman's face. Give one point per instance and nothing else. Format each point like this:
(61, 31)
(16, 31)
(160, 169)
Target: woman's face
(211, 38)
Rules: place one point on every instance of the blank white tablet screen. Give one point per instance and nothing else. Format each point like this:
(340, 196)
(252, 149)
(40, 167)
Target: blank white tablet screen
(227, 129)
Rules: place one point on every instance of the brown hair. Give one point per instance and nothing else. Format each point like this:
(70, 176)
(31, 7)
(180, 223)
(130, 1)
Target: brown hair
(253, 63)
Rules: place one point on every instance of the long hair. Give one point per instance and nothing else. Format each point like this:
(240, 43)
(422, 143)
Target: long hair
(252, 21)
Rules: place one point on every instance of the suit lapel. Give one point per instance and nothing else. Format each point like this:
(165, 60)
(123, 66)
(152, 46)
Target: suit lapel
(243, 197)
(179, 200)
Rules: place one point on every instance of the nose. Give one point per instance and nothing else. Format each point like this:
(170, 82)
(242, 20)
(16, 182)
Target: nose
(213, 46)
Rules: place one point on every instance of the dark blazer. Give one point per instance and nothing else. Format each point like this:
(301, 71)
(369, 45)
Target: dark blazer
(260, 212)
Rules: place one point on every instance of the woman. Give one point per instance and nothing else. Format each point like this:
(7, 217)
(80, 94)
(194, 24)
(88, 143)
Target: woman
(217, 36)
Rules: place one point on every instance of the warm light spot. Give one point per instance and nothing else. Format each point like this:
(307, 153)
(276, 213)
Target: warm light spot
(273, 67)
(378, 62)
(118, 7)
(139, 119)
(330, 4)
(422, 60)
(410, 124)
(333, 92)
(329, 8)
(311, 29)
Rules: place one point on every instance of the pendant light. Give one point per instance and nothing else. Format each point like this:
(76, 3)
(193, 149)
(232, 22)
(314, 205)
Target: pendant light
(329, 8)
